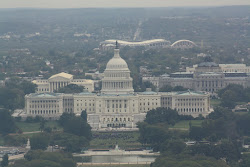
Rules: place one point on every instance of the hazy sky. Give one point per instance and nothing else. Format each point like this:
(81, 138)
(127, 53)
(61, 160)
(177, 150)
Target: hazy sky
(116, 3)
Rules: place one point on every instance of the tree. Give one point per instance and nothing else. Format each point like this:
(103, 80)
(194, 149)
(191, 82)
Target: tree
(11, 98)
(197, 133)
(229, 150)
(65, 117)
(7, 123)
(84, 115)
(42, 125)
(12, 95)
(231, 94)
(39, 141)
(28, 87)
(33, 154)
(38, 158)
(179, 88)
(17, 83)
(226, 150)
(228, 99)
(243, 124)
(15, 140)
(221, 112)
(245, 161)
(147, 84)
(182, 160)
(71, 88)
(78, 126)
(176, 146)
(66, 162)
(153, 135)
(5, 160)
(165, 115)
(72, 143)
(166, 88)
(169, 88)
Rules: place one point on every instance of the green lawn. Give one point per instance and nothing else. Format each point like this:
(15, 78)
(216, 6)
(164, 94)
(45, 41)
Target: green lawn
(182, 125)
(30, 127)
(130, 165)
(107, 140)
(128, 140)
(215, 102)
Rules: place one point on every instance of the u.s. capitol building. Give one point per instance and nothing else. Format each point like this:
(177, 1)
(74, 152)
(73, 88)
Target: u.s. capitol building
(117, 105)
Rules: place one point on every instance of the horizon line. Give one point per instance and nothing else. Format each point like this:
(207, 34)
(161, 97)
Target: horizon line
(128, 7)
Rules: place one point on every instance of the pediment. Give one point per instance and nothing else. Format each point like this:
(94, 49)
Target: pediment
(58, 79)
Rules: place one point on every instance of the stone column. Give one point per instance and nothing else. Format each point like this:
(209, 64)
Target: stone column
(50, 86)
(53, 86)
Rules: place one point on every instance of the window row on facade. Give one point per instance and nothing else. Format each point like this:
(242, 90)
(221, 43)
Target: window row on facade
(189, 104)
(44, 106)
(44, 101)
(44, 111)
(191, 109)
(115, 119)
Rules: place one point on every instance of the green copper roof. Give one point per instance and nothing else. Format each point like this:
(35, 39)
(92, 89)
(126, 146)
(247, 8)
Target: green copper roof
(184, 93)
(45, 94)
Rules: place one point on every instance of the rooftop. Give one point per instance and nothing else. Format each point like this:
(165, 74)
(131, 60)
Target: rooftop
(44, 94)
(184, 93)
(62, 74)
(210, 74)
(147, 93)
(135, 43)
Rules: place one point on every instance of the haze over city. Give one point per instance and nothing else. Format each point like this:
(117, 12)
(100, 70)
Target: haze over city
(124, 83)
(116, 3)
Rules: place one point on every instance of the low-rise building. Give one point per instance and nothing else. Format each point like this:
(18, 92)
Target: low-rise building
(152, 79)
(206, 76)
(61, 80)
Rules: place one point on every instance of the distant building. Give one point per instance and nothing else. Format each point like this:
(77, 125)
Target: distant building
(2, 83)
(144, 71)
(117, 105)
(154, 43)
(61, 80)
(183, 44)
(152, 79)
(208, 76)
(95, 75)
(48, 105)
(227, 68)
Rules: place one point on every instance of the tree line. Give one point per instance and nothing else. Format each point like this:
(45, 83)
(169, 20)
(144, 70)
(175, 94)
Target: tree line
(220, 136)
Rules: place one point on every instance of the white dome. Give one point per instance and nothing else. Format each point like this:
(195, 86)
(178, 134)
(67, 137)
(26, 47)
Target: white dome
(117, 62)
